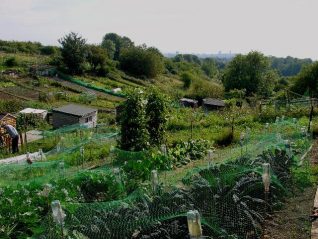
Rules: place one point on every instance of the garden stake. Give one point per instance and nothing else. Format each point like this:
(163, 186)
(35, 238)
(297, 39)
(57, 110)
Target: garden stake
(58, 215)
(210, 155)
(266, 181)
(41, 154)
(194, 224)
(165, 153)
(154, 181)
(82, 155)
(242, 136)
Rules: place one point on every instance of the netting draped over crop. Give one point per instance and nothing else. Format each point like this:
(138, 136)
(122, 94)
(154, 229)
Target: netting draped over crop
(228, 192)
(69, 150)
(229, 196)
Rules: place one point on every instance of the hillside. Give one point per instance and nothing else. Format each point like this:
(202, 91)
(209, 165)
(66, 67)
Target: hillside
(31, 83)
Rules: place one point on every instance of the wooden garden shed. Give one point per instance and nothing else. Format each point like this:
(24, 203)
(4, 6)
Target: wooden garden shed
(74, 114)
(189, 103)
(212, 104)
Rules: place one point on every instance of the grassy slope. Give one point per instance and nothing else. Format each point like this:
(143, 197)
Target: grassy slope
(28, 88)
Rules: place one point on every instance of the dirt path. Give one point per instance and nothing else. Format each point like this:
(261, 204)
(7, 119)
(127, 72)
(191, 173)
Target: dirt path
(293, 222)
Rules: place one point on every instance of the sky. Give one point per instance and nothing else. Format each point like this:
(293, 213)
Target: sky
(274, 27)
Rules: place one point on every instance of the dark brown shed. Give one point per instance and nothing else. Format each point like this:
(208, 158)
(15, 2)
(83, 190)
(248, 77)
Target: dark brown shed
(213, 104)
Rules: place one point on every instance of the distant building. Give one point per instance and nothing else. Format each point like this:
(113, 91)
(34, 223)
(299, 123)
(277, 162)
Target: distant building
(37, 112)
(189, 103)
(213, 104)
(74, 114)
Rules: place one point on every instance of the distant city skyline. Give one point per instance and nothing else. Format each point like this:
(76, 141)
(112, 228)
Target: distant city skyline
(275, 27)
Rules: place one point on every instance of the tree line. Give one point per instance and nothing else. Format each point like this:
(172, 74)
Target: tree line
(253, 74)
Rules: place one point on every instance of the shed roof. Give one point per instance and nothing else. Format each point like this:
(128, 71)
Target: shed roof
(214, 102)
(33, 111)
(3, 115)
(189, 100)
(76, 110)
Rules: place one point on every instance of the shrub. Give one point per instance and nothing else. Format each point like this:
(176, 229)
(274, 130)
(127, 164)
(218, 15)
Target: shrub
(11, 62)
(156, 111)
(134, 133)
(201, 89)
(183, 152)
(48, 50)
(225, 137)
(315, 131)
(187, 78)
(142, 62)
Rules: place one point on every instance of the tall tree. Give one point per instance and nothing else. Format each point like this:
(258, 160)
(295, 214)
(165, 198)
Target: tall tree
(307, 80)
(110, 48)
(247, 72)
(119, 42)
(73, 52)
(209, 67)
(142, 61)
(96, 56)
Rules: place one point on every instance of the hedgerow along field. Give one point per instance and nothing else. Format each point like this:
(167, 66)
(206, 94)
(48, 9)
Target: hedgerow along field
(106, 192)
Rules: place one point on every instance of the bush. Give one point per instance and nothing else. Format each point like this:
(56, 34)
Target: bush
(225, 137)
(142, 62)
(315, 131)
(48, 50)
(183, 152)
(201, 89)
(187, 78)
(11, 62)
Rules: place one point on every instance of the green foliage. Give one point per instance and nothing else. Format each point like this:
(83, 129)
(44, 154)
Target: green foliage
(25, 208)
(201, 89)
(209, 67)
(156, 113)
(183, 152)
(110, 48)
(73, 52)
(248, 72)
(11, 62)
(288, 66)
(140, 168)
(187, 58)
(87, 97)
(269, 113)
(187, 78)
(307, 81)
(225, 137)
(119, 44)
(98, 186)
(11, 106)
(134, 133)
(96, 57)
(26, 122)
(142, 62)
(23, 47)
(49, 50)
(143, 120)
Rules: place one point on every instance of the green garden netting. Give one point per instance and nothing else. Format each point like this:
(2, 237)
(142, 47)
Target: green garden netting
(229, 195)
